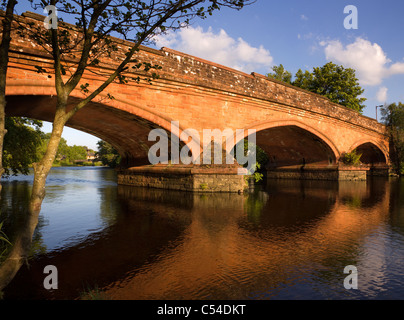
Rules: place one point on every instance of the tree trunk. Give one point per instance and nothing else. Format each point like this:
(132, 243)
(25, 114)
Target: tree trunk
(4, 47)
(3, 132)
(23, 238)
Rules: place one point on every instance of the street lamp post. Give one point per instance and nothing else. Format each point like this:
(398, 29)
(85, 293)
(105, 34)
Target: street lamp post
(376, 110)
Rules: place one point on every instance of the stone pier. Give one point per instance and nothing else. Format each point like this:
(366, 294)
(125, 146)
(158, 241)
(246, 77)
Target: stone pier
(193, 178)
(225, 178)
(331, 173)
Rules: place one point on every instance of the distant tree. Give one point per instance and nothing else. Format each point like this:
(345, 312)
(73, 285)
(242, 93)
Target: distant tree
(337, 83)
(279, 73)
(21, 144)
(62, 148)
(393, 117)
(65, 152)
(107, 154)
(303, 79)
(77, 153)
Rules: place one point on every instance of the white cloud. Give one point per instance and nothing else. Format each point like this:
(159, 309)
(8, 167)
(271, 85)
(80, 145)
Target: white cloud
(397, 68)
(381, 95)
(303, 17)
(217, 47)
(368, 59)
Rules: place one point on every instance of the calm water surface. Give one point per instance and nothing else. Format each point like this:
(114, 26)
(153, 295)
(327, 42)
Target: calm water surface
(287, 240)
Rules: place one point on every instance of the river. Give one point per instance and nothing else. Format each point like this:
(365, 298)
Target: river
(284, 240)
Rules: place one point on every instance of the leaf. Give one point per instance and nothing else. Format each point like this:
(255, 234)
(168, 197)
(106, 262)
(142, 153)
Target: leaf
(39, 69)
(84, 88)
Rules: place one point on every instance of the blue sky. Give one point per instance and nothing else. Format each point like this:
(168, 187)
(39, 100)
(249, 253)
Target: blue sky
(298, 34)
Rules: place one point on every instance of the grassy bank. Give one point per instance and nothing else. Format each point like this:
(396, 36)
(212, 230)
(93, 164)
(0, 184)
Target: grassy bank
(77, 164)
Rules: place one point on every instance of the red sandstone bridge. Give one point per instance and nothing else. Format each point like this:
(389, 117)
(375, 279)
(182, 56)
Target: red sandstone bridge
(302, 133)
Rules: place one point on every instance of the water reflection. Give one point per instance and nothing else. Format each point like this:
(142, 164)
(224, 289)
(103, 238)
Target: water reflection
(14, 202)
(287, 240)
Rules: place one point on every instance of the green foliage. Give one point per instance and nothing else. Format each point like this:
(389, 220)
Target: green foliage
(279, 73)
(337, 83)
(393, 117)
(21, 143)
(260, 156)
(77, 153)
(303, 79)
(258, 176)
(25, 144)
(351, 158)
(107, 154)
(66, 155)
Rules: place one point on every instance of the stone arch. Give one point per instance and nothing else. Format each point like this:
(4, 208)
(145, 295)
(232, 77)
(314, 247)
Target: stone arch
(312, 138)
(121, 122)
(372, 152)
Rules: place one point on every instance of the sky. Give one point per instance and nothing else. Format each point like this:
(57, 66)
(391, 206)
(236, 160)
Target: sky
(299, 34)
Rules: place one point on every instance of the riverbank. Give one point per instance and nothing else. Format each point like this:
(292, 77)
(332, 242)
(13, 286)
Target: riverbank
(78, 164)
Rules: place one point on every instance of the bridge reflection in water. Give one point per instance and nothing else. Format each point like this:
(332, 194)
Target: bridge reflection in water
(292, 239)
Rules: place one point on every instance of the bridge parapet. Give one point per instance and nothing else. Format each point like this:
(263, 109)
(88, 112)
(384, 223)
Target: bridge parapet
(183, 68)
(200, 72)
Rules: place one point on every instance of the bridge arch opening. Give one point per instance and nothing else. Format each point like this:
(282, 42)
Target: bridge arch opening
(291, 145)
(372, 155)
(125, 127)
